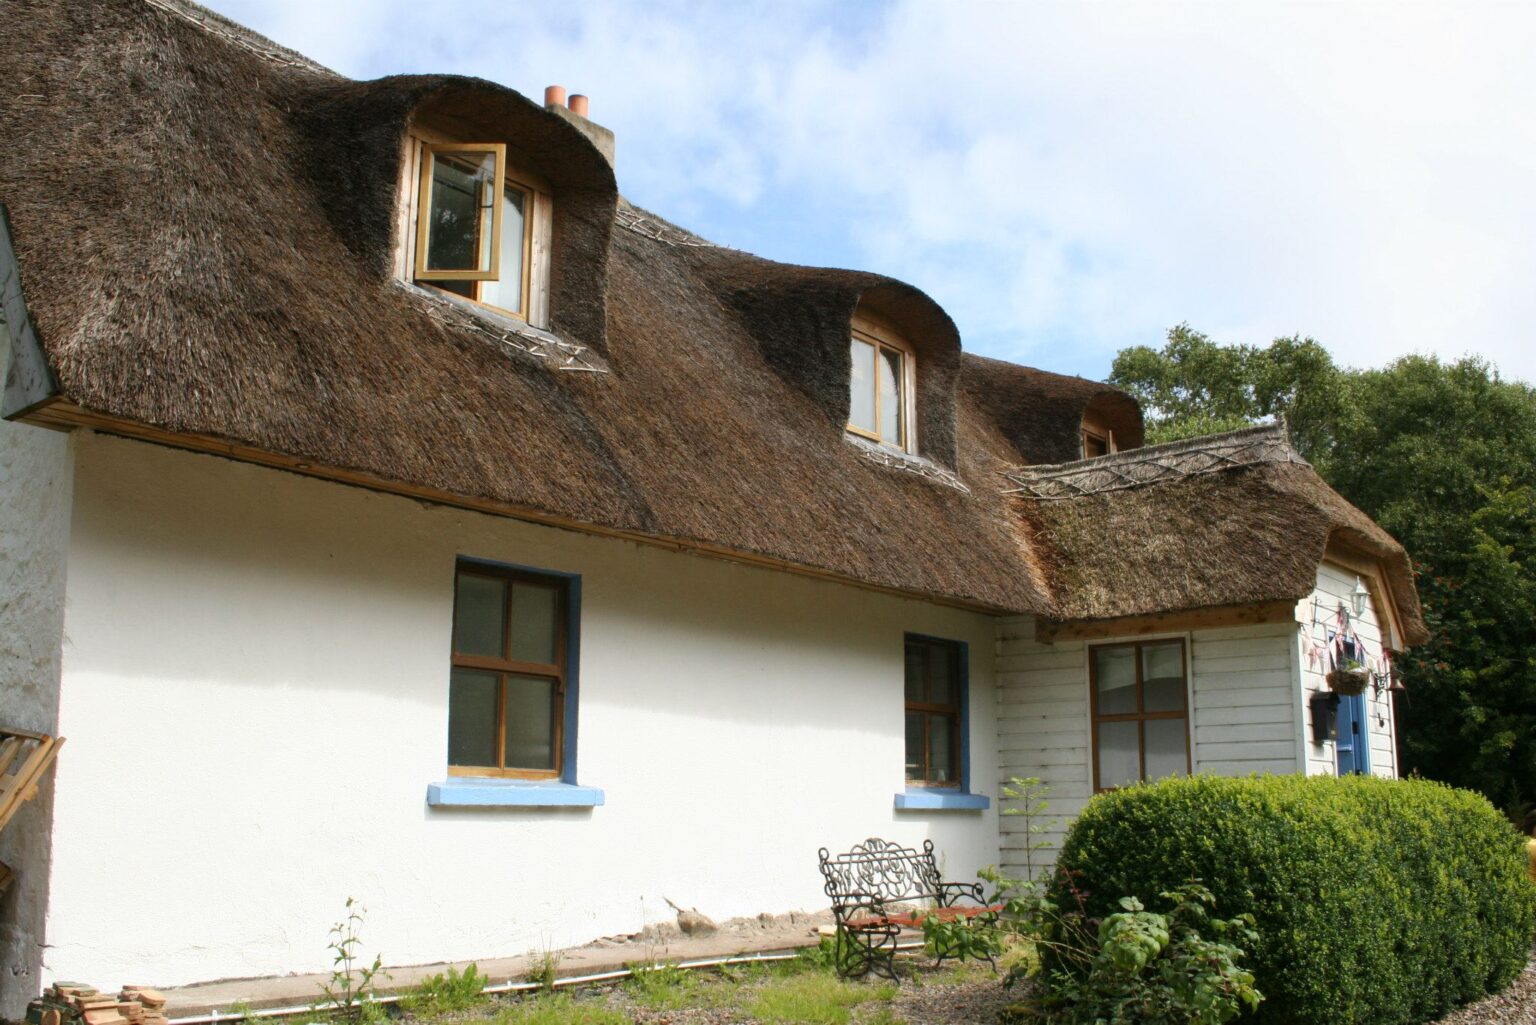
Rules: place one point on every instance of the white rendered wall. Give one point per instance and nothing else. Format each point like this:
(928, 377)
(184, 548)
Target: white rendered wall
(1334, 586)
(35, 479)
(255, 690)
(1242, 695)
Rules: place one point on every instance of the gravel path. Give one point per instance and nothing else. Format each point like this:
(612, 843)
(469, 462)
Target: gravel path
(1515, 1006)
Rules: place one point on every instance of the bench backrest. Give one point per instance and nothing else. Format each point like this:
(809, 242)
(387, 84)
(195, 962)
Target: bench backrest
(881, 869)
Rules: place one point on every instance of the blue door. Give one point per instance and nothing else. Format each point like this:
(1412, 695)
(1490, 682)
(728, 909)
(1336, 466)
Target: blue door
(1354, 744)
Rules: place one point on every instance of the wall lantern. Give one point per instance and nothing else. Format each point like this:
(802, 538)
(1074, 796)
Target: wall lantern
(1357, 598)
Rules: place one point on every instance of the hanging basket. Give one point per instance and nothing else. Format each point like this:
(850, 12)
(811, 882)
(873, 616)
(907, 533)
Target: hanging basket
(1349, 681)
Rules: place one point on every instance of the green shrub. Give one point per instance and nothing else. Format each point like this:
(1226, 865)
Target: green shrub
(1377, 901)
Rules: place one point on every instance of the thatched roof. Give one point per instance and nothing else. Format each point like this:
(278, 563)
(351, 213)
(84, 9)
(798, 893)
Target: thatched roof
(205, 226)
(1217, 521)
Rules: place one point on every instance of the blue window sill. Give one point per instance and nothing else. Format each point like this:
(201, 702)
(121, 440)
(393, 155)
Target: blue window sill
(923, 799)
(511, 793)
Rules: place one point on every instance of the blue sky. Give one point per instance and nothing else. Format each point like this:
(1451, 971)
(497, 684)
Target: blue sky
(1066, 179)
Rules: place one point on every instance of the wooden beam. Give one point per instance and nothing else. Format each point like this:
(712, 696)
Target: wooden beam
(62, 415)
(28, 380)
(1047, 632)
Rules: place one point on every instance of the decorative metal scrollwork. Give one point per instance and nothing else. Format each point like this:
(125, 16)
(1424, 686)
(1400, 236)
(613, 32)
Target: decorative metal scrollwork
(865, 883)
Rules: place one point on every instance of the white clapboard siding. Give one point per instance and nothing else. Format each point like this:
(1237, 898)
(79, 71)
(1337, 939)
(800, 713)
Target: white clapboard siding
(1243, 686)
(1334, 585)
(1042, 725)
(1244, 699)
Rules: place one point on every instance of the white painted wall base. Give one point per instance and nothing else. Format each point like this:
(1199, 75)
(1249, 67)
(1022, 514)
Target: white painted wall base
(255, 690)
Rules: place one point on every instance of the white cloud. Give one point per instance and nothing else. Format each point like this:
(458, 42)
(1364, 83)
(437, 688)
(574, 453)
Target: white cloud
(1065, 178)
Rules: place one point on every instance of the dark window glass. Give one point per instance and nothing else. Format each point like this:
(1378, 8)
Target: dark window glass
(933, 697)
(507, 685)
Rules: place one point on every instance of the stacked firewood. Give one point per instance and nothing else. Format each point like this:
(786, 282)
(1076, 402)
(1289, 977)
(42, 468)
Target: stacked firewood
(142, 1006)
(74, 1002)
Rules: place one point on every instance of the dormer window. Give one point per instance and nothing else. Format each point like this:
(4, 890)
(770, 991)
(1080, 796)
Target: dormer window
(880, 386)
(482, 226)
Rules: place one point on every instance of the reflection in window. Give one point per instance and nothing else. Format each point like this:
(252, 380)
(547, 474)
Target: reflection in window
(1140, 712)
(880, 390)
(933, 697)
(506, 690)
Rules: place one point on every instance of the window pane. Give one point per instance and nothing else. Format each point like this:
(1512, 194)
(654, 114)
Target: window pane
(459, 211)
(1162, 677)
(941, 748)
(917, 661)
(479, 613)
(861, 387)
(892, 385)
(535, 609)
(1094, 446)
(1166, 748)
(507, 291)
(1119, 757)
(943, 688)
(530, 723)
(1115, 679)
(915, 767)
(472, 718)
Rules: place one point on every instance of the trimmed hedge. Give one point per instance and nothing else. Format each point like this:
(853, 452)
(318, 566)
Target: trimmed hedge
(1377, 901)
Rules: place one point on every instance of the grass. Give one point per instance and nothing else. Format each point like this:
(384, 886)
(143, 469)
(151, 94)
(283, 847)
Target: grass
(801, 991)
(813, 1000)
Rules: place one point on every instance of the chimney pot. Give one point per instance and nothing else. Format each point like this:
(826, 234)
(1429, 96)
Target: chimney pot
(554, 96)
(579, 105)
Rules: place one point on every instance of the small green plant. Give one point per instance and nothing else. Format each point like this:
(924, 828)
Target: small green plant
(820, 958)
(544, 967)
(1010, 929)
(1150, 968)
(447, 991)
(350, 989)
(244, 1010)
(662, 986)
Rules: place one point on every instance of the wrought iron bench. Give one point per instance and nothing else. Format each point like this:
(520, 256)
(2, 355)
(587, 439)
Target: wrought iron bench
(867, 886)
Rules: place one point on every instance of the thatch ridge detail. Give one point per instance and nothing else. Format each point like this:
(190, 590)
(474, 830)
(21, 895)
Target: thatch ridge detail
(1153, 464)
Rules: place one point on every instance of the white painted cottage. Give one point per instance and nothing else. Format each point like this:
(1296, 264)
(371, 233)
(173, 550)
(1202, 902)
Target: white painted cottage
(389, 509)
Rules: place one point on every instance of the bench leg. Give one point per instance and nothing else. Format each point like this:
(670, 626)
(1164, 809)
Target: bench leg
(857, 952)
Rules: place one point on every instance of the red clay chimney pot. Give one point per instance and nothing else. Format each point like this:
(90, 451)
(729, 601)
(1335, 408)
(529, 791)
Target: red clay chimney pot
(579, 105)
(554, 96)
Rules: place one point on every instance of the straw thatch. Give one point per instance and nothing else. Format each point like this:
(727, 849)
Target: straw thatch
(1247, 533)
(205, 225)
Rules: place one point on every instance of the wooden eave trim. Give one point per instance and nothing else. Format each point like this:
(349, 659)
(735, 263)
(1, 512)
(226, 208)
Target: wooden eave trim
(1370, 570)
(1282, 611)
(63, 415)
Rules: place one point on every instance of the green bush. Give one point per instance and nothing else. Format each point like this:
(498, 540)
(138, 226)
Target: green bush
(1376, 901)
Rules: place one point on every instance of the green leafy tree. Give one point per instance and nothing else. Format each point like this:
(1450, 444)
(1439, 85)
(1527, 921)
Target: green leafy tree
(1443, 455)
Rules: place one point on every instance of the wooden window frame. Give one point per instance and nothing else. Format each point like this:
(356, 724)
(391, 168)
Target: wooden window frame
(538, 229)
(506, 665)
(956, 711)
(881, 337)
(1138, 717)
(1107, 439)
(424, 192)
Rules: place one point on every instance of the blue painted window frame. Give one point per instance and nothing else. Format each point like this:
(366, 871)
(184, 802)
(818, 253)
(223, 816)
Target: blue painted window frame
(956, 798)
(564, 791)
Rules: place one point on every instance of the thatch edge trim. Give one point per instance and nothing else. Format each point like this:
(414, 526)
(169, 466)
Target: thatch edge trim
(58, 414)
